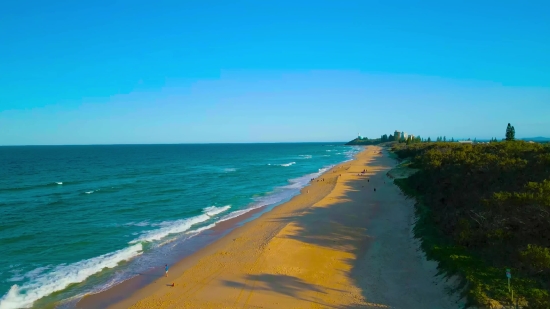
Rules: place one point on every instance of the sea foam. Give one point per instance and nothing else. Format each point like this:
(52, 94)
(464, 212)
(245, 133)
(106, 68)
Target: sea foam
(284, 164)
(237, 213)
(201, 229)
(288, 164)
(43, 283)
(171, 227)
(213, 210)
(179, 226)
(286, 193)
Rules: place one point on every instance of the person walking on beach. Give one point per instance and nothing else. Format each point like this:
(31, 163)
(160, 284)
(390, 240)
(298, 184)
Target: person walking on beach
(166, 270)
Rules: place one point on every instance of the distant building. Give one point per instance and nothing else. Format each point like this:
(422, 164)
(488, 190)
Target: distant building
(405, 135)
(466, 142)
(359, 136)
(397, 135)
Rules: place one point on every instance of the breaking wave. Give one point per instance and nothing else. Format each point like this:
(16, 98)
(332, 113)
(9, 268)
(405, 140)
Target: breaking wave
(43, 283)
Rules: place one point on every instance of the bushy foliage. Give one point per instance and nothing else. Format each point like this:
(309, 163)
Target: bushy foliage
(491, 201)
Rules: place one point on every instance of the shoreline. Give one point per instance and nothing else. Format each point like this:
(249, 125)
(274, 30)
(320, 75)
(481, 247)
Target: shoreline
(221, 230)
(337, 244)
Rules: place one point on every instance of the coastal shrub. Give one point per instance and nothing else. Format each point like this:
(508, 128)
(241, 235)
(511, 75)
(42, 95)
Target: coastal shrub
(483, 208)
(536, 258)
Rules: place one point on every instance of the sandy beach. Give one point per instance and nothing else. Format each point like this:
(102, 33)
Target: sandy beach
(339, 244)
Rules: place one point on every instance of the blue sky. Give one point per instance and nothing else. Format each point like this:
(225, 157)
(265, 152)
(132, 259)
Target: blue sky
(94, 72)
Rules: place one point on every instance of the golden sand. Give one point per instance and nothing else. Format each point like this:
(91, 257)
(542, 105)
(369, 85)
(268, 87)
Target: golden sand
(339, 244)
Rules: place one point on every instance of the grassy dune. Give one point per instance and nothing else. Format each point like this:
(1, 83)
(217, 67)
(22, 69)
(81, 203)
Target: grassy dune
(482, 209)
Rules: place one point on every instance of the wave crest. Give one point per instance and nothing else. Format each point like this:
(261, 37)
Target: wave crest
(213, 210)
(170, 227)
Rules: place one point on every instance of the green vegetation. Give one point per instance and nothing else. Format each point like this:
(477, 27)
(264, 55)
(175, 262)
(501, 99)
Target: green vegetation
(365, 141)
(482, 209)
(397, 137)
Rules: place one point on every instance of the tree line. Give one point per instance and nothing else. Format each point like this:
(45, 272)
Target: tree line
(510, 136)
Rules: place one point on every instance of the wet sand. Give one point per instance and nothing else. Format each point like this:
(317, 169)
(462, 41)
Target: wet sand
(339, 244)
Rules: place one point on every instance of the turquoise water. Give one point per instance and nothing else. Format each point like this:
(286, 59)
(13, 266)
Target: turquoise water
(75, 219)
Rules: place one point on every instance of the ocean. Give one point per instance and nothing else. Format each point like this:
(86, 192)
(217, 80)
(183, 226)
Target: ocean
(79, 219)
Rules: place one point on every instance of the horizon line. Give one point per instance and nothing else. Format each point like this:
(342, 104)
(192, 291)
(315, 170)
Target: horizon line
(196, 143)
(232, 143)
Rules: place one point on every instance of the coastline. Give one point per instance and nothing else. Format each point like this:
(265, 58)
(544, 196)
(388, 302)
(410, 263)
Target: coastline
(198, 246)
(333, 245)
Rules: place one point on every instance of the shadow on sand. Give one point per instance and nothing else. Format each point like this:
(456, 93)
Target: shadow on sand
(341, 225)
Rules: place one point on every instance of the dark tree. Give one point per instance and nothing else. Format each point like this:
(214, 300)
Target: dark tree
(510, 133)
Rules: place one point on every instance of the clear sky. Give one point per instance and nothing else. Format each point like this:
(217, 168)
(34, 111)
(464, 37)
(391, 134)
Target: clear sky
(99, 72)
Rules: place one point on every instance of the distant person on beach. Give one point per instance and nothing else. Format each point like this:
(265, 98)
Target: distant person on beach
(166, 270)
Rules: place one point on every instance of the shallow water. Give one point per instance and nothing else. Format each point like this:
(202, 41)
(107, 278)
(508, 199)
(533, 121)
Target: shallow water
(75, 219)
